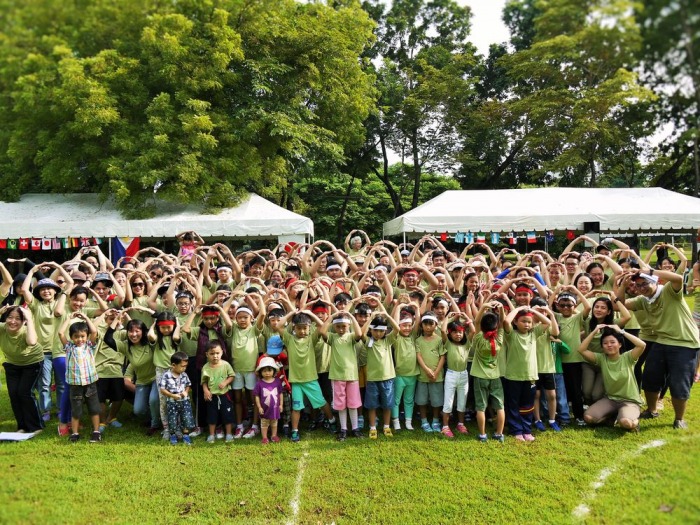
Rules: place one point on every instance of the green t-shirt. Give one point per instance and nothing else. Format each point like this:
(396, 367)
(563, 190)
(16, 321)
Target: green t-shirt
(618, 377)
(545, 356)
(670, 318)
(486, 365)
(187, 345)
(595, 346)
(161, 356)
(141, 315)
(380, 365)
(570, 332)
(343, 357)
(521, 354)
(108, 362)
(456, 356)
(212, 377)
(405, 362)
(430, 350)
(244, 348)
(46, 324)
(17, 351)
(193, 338)
(140, 357)
(302, 358)
(323, 355)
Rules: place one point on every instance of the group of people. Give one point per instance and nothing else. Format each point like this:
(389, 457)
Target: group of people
(236, 346)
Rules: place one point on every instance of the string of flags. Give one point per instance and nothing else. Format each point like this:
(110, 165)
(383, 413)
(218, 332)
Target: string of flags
(48, 243)
(495, 238)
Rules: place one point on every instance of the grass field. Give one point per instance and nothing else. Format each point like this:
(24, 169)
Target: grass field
(582, 475)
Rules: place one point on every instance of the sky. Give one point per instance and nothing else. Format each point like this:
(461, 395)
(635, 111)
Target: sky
(487, 26)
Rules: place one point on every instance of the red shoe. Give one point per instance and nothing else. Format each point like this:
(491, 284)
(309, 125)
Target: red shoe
(63, 430)
(462, 429)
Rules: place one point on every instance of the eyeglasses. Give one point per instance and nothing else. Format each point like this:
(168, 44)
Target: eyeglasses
(565, 305)
(60, 282)
(135, 285)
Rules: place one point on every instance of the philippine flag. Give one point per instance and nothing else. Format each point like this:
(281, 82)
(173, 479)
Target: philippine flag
(124, 247)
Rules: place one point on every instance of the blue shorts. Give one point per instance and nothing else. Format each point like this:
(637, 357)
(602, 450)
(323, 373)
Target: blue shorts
(379, 394)
(674, 365)
(311, 390)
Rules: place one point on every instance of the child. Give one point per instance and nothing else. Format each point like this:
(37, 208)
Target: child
(406, 367)
(217, 376)
(343, 372)
(268, 398)
(302, 368)
(163, 336)
(175, 385)
(189, 242)
(521, 368)
(546, 369)
(456, 377)
(487, 344)
(275, 350)
(81, 375)
(430, 353)
(379, 391)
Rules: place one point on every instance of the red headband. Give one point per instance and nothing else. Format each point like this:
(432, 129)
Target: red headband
(458, 328)
(319, 308)
(524, 289)
(166, 323)
(213, 313)
(411, 270)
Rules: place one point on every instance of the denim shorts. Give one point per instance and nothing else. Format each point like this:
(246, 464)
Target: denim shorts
(676, 364)
(379, 394)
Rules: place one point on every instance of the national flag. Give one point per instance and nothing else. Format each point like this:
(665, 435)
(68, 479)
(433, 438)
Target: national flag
(56, 244)
(24, 244)
(36, 244)
(549, 236)
(469, 237)
(96, 241)
(480, 238)
(495, 238)
(531, 238)
(512, 238)
(459, 237)
(46, 243)
(12, 244)
(3, 244)
(124, 247)
(65, 242)
(84, 242)
(443, 236)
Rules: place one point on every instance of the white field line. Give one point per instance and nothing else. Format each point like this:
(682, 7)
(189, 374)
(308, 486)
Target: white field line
(582, 510)
(296, 497)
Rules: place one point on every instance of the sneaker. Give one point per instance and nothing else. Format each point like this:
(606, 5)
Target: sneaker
(519, 437)
(361, 422)
(115, 424)
(373, 433)
(437, 427)
(212, 439)
(647, 414)
(252, 432)
(483, 438)
(101, 429)
(462, 429)
(186, 439)
(555, 427)
(173, 439)
(219, 435)
(166, 434)
(447, 432)
(397, 424)
(331, 427)
(74, 438)
(499, 437)
(275, 439)
(680, 424)
(529, 437)
(388, 433)
(265, 441)
(295, 436)
(63, 431)
(229, 438)
(540, 426)
(286, 431)
(426, 427)
(314, 425)
(96, 437)
(659, 405)
(357, 433)
(238, 434)
(580, 422)
(196, 431)
(342, 435)
(408, 424)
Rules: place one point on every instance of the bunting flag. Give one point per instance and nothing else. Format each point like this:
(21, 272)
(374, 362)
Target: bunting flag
(549, 236)
(480, 238)
(469, 237)
(495, 238)
(443, 236)
(531, 238)
(512, 238)
(3, 244)
(12, 244)
(459, 237)
(46, 243)
(36, 244)
(96, 241)
(123, 247)
(74, 242)
(56, 244)
(84, 242)
(65, 243)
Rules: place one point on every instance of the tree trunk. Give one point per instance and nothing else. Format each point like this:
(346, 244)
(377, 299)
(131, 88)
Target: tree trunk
(384, 177)
(416, 170)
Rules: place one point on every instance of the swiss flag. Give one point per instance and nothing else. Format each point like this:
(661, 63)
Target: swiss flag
(24, 244)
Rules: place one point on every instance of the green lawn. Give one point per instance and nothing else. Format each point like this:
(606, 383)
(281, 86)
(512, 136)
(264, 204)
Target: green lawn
(414, 478)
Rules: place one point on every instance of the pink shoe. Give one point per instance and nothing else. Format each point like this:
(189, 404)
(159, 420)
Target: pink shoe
(63, 431)
(238, 434)
(447, 432)
(275, 439)
(251, 433)
(265, 441)
(519, 437)
(462, 429)
(528, 437)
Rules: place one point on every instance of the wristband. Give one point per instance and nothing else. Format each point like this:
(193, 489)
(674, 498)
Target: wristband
(622, 331)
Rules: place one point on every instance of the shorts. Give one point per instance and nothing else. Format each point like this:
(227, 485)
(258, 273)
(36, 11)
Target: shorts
(546, 381)
(111, 388)
(605, 407)
(379, 394)
(89, 394)
(362, 374)
(433, 392)
(311, 390)
(346, 394)
(671, 365)
(249, 379)
(488, 389)
(219, 409)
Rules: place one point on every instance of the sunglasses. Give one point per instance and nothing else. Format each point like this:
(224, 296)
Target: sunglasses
(135, 285)
(60, 282)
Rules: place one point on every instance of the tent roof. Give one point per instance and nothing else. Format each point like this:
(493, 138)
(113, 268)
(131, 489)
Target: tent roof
(82, 215)
(539, 209)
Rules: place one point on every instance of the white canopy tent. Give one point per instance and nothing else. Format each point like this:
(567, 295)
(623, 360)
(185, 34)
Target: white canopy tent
(82, 215)
(540, 209)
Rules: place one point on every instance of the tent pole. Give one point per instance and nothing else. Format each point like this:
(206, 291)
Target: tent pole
(404, 240)
(110, 249)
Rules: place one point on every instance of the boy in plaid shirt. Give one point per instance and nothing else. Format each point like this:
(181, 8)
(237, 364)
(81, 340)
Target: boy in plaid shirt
(175, 385)
(81, 374)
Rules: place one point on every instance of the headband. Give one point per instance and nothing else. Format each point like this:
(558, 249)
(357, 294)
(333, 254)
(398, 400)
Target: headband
(166, 323)
(457, 328)
(524, 289)
(406, 320)
(568, 296)
(411, 270)
(429, 317)
(213, 313)
(244, 310)
(333, 267)
(341, 320)
(319, 308)
(653, 279)
(379, 327)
